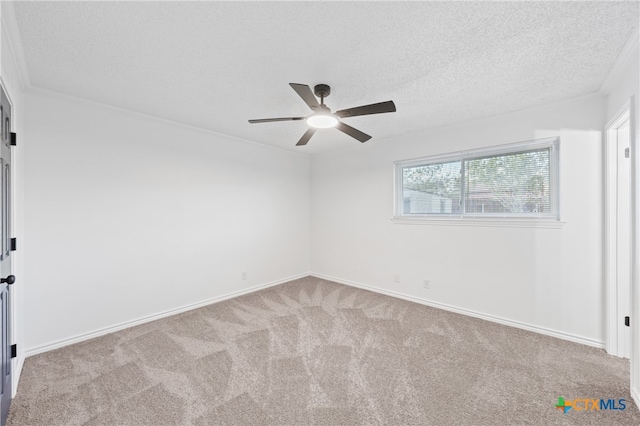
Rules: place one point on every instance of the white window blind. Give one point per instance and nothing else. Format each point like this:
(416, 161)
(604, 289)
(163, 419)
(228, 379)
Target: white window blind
(515, 180)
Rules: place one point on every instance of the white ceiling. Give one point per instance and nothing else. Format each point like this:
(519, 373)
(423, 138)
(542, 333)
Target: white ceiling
(215, 65)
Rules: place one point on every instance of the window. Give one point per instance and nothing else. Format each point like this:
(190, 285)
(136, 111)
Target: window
(510, 181)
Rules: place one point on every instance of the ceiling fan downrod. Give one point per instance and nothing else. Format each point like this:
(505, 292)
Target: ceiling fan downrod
(322, 91)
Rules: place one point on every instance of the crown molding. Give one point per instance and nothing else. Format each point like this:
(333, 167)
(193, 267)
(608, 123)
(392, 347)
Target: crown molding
(622, 61)
(47, 93)
(540, 108)
(12, 34)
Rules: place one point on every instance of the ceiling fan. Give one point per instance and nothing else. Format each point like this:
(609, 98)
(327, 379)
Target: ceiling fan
(323, 118)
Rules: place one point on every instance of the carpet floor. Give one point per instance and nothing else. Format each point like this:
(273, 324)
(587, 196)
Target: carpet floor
(315, 352)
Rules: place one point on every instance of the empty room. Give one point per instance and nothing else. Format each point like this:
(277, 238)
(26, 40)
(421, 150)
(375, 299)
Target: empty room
(333, 213)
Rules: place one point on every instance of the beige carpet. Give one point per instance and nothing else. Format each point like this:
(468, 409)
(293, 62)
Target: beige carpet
(316, 352)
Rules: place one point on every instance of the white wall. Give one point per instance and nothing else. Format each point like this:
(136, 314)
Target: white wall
(128, 216)
(546, 279)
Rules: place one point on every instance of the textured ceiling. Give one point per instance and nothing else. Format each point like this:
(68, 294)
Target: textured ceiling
(215, 65)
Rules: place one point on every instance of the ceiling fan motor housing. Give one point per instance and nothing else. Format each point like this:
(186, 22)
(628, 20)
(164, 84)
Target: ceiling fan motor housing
(321, 90)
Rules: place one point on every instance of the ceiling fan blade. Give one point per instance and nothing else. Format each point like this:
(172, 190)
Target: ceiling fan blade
(306, 94)
(307, 135)
(268, 120)
(353, 132)
(378, 108)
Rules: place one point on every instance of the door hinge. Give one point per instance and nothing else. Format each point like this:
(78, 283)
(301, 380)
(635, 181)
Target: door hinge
(13, 139)
(626, 153)
(626, 321)
(14, 351)
(14, 244)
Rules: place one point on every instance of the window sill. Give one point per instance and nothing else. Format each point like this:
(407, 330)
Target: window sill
(499, 222)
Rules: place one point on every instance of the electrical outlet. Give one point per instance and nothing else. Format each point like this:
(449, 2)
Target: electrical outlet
(243, 276)
(426, 284)
(396, 278)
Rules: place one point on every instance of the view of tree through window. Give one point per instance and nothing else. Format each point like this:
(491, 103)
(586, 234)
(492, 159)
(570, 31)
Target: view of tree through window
(516, 183)
(433, 188)
(511, 183)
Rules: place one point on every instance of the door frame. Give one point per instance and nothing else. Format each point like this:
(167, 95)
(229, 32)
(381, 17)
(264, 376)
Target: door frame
(15, 370)
(614, 320)
(635, 251)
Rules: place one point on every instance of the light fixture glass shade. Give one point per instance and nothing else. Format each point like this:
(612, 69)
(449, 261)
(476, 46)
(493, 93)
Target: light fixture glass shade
(322, 121)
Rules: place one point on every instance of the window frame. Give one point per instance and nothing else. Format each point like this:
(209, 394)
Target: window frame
(551, 219)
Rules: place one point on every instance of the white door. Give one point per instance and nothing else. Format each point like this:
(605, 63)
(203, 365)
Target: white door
(6, 279)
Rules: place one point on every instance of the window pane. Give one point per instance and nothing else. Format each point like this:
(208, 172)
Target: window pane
(513, 183)
(431, 189)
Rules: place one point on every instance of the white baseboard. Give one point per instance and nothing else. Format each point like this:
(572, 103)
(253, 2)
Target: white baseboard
(635, 395)
(529, 327)
(127, 324)
(15, 374)
(106, 330)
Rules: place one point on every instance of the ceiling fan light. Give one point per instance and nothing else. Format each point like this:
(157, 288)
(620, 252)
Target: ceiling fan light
(322, 121)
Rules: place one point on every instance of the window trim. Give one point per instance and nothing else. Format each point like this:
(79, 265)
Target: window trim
(550, 220)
